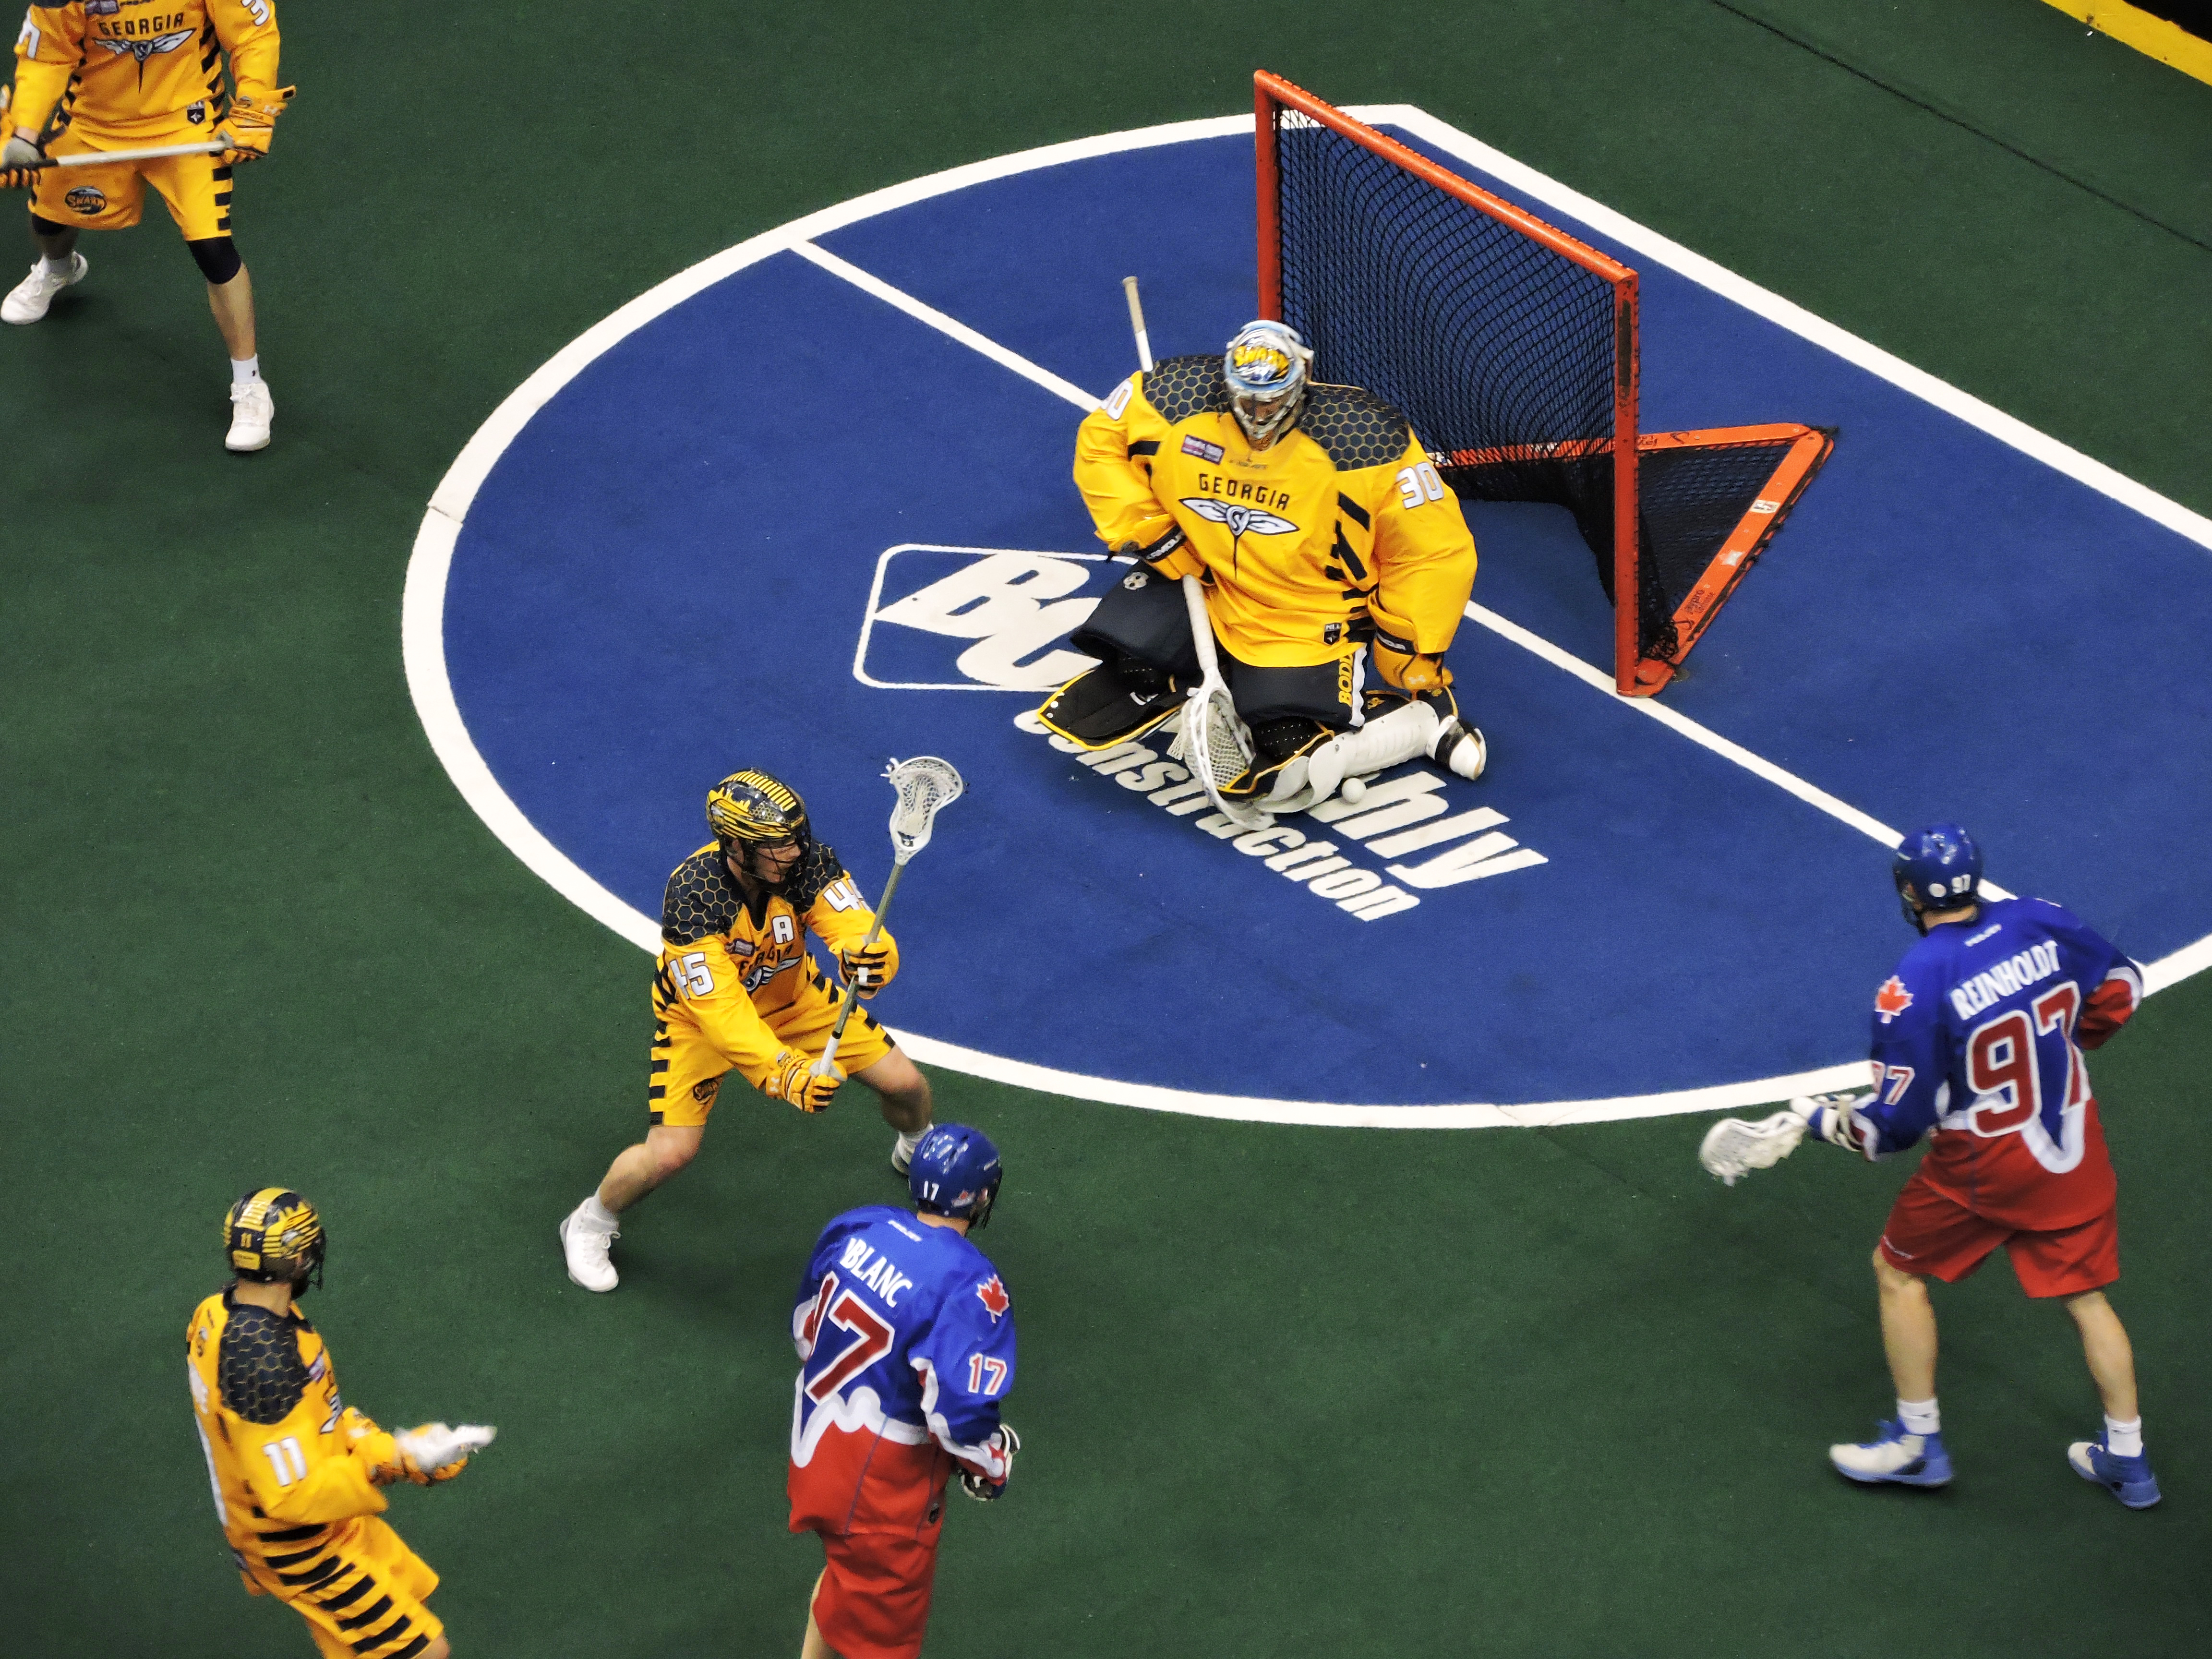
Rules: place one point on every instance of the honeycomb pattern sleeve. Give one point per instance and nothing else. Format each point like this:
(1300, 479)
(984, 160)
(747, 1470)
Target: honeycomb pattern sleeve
(1423, 555)
(280, 1420)
(702, 899)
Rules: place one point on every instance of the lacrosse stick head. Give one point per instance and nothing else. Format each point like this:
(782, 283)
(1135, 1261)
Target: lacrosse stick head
(926, 785)
(1733, 1148)
(1214, 745)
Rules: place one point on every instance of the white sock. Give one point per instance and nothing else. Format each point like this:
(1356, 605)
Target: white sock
(63, 266)
(243, 369)
(909, 1139)
(597, 1214)
(1919, 1416)
(2124, 1439)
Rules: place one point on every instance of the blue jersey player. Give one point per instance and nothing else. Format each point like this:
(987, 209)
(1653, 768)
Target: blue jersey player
(1978, 1047)
(907, 1336)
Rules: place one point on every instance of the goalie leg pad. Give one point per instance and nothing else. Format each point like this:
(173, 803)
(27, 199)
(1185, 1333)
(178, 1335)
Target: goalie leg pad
(1144, 616)
(1111, 703)
(1283, 747)
(1404, 732)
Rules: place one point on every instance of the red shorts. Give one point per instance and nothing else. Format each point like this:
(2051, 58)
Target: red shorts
(874, 1599)
(1930, 1233)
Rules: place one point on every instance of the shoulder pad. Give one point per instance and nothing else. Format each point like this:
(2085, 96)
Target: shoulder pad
(1357, 428)
(258, 1370)
(701, 900)
(816, 871)
(1184, 387)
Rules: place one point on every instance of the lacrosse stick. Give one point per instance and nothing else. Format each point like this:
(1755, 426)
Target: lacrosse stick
(1733, 1148)
(1212, 738)
(926, 785)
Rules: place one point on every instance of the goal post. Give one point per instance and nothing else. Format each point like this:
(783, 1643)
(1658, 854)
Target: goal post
(1513, 347)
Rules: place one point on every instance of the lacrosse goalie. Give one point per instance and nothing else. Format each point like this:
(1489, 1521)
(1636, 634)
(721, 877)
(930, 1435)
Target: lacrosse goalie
(737, 990)
(299, 1475)
(1978, 1046)
(1335, 566)
(905, 1334)
(96, 76)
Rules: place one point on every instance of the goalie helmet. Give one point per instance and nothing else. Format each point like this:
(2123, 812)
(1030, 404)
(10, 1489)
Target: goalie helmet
(272, 1235)
(752, 809)
(1938, 868)
(1266, 367)
(955, 1172)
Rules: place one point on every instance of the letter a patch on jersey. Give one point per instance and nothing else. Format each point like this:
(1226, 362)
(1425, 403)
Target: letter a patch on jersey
(1891, 1000)
(994, 1296)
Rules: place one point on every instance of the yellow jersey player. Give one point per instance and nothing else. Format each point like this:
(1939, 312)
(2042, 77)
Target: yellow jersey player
(1335, 561)
(115, 75)
(298, 1473)
(737, 991)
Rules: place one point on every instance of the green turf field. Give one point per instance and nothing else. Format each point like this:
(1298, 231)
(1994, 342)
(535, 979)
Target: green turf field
(254, 934)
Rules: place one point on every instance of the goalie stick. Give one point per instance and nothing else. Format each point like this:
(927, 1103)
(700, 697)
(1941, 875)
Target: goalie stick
(926, 785)
(1214, 739)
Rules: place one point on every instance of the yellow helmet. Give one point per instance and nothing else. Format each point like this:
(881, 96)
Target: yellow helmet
(274, 1236)
(753, 807)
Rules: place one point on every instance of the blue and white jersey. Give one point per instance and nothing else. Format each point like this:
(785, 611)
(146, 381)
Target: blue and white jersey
(1977, 1041)
(907, 1335)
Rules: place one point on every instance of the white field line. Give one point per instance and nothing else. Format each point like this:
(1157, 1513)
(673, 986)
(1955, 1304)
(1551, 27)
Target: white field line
(422, 611)
(867, 282)
(1788, 782)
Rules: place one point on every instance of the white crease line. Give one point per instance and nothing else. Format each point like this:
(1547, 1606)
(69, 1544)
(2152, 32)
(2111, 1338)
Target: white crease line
(1788, 782)
(952, 328)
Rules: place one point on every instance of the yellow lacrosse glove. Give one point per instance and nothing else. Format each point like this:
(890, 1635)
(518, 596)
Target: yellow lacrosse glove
(791, 1080)
(1410, 672)
(252, 123)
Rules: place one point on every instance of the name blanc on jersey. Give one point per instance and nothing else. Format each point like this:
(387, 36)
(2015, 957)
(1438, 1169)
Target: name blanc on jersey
(878, 1274)
(1993, 985)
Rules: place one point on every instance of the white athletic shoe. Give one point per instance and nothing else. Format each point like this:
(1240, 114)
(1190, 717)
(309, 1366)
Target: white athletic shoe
(28, 301)
(251, 409)
(585, 1247)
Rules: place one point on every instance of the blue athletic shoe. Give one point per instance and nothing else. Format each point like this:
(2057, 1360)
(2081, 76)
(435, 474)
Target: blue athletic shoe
(2128, 1478)
(1893, 1455)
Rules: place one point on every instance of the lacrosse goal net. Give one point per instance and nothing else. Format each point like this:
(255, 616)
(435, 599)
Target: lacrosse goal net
(1513, 347)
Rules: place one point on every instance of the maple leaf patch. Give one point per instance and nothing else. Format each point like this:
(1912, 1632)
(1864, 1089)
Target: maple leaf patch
(1891, 1000)
(994, 1296)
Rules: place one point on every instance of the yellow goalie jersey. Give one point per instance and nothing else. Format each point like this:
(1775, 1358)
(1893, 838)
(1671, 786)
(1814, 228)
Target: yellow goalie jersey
(128, 72)
(1340, 526)
(738, 976)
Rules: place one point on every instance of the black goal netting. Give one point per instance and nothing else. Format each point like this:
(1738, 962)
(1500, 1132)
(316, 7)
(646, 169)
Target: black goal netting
(1505, 354)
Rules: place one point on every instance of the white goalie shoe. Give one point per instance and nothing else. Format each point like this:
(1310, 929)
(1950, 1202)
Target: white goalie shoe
(586, 1244)
(251, 411)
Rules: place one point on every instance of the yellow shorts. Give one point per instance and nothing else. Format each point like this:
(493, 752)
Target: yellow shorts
(195, 189)
(688, 1070)
(370, 1606)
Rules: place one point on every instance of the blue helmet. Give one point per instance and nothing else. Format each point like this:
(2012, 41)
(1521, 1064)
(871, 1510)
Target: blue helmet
(955, 1172)
(1938, 868)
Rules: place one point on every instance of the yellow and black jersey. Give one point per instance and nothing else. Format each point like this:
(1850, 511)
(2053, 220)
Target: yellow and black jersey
(1338, 527)
(731, 967)
(288, 1462)
(139, 70)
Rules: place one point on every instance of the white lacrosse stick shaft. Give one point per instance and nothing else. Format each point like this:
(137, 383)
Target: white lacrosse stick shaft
(1137, 323)
(101, 158)
(907, 840)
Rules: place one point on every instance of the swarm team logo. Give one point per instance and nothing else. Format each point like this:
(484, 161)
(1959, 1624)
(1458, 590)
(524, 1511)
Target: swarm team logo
(87, 199)
(1243, 521)
(142, 49)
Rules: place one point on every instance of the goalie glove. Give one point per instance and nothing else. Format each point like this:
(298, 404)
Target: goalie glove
(252, 123)
(1152, 552)
(433, 1452)
(1407, 670)
(792, 1080)
(982, 1488)
(1833, 1118)
(866, 971)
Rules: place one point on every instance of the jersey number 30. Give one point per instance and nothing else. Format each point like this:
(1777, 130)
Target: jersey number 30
(2001, 1061)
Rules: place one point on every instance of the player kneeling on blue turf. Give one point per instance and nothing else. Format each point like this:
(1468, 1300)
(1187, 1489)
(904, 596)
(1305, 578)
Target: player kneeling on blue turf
(1335, 561)
(1977, 1041)
(906, 1336)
